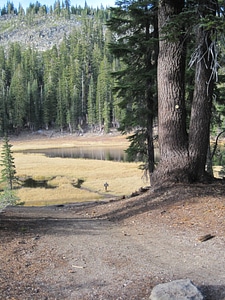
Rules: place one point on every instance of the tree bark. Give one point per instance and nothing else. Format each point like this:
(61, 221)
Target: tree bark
(199, 130)
(183, 156)
(171, 103)
(151, 63)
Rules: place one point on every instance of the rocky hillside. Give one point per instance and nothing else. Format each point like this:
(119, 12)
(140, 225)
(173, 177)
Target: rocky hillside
(40, 32)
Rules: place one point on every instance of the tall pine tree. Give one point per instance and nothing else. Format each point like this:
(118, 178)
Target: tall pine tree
(134, 24)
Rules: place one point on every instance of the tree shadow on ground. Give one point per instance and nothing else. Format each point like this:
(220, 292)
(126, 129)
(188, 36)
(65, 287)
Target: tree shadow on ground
(163, 198)
(49, 220)
(91, 217)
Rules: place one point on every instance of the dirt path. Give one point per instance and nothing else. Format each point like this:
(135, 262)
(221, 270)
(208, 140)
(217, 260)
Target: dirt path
(115, 249)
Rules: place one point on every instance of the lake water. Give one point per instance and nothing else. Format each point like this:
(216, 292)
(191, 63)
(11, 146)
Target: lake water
(106, 153)
(99, 153)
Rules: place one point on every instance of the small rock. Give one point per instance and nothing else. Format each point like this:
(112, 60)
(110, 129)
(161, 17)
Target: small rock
(182, 289)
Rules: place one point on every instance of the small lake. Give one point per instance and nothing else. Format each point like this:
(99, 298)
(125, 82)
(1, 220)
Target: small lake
(99, 153)
(106, 153)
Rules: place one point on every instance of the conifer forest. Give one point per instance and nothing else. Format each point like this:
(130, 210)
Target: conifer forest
(65, 86)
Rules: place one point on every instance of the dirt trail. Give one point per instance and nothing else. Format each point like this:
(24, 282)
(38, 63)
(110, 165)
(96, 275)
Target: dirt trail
(114, 249)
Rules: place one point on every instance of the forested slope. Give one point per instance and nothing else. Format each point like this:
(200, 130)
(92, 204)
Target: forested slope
(55, 69)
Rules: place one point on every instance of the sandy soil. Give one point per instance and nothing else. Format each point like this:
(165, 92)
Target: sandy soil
(115, 249)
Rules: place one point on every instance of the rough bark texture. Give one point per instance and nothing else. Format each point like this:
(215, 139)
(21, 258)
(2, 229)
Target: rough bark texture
(171, 105)
(183, 157)
(202, 103)
(151, 63)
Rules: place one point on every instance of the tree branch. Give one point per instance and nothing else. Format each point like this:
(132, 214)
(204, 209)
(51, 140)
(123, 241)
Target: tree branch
(216, 144)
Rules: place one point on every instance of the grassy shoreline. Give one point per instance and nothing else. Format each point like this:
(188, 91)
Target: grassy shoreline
(36, 141)
(123, 178)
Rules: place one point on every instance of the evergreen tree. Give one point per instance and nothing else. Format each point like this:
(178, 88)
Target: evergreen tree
(57, 8)
(75, 84)
(103, 96)
(18, 99)
(134, 24)
(50, 82)
(3, 11)
(9, 170)
(7, 197)
(3, 92)
(34, 106)
(91, 106)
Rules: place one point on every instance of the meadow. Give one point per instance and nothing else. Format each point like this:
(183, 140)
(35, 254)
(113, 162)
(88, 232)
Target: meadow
(73, 180)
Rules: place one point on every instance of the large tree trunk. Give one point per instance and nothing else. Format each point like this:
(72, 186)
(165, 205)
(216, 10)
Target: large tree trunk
(182, 156)
(171, 104)
(199, 131)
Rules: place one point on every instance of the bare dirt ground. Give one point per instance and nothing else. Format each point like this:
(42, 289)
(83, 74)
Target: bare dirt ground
(115, 249)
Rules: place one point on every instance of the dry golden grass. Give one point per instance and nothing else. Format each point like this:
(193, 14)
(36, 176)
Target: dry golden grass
(63, 141)
(123, 178)
(216, 171)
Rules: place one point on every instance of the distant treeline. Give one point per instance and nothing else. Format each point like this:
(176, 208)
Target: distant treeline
(58, 8)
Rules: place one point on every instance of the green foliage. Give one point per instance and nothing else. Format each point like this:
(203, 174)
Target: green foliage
(59, 87)
(8, 167)
(8, 197)
(137, 150)
(103, 95)
(135, 45)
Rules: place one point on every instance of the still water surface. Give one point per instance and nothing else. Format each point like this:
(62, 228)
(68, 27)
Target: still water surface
(99, 153)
